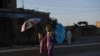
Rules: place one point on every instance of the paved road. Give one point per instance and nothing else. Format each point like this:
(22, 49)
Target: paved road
(31, 53)
(63, 50)
(90, 53)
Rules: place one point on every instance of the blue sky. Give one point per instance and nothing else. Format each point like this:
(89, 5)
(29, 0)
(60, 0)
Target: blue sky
(67, 12)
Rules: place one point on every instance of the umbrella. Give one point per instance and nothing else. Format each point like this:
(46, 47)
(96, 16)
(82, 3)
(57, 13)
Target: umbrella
(59, 33)
(30, 23)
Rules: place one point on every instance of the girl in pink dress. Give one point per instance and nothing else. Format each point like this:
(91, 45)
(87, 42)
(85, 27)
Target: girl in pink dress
(49, 40)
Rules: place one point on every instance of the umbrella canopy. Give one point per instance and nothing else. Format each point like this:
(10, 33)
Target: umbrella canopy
(30, 23)
(59, 33)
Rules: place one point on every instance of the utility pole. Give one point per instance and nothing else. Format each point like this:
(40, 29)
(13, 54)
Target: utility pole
(22, 4)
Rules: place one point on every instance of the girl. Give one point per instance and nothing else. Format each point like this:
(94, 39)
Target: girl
(49, 40)
(41, 38)
(41, 43)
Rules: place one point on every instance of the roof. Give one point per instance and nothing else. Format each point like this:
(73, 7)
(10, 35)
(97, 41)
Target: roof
(19, 13)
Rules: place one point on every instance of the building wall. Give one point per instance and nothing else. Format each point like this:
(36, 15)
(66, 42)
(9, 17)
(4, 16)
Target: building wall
(89, 30)
(11, 4)
(12, 26)
(15, 25)
(8, 4)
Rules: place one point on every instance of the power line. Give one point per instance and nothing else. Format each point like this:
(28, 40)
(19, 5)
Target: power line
(77, 12)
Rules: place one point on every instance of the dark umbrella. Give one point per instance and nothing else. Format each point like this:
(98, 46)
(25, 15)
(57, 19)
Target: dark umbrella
(30, 23)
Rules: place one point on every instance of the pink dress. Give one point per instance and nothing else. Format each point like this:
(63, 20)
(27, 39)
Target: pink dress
(49, 45)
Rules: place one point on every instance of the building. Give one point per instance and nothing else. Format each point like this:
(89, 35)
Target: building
(98, 24)
(82, 30)
(11, 4)
(98, 27)
(11, 20)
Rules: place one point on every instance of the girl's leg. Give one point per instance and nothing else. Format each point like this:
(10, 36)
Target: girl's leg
(50, 51)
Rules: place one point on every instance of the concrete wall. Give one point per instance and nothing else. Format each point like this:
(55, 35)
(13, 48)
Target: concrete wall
(98, 31)
(83, 30)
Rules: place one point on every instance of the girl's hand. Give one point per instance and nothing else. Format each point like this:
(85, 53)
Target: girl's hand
(49, 33)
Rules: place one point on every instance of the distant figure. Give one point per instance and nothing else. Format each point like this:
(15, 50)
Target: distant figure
(69, 37)
(49, 40)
